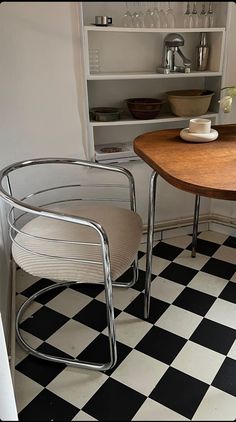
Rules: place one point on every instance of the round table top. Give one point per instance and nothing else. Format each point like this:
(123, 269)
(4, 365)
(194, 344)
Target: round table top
(207, 169)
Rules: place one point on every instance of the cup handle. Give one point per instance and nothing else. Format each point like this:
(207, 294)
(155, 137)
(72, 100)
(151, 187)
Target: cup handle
(109, 21)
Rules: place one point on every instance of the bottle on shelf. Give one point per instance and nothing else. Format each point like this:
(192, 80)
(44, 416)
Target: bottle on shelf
(202, 53)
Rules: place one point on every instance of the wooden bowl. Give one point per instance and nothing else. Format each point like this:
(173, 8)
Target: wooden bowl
(144, 108)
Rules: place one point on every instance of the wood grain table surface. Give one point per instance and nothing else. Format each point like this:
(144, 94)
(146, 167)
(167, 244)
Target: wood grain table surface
(206, 169)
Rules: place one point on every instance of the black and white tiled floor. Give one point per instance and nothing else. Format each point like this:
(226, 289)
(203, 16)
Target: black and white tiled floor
(178, 365)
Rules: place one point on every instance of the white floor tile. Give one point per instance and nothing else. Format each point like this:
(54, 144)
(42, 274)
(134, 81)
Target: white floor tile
(211, 236)
(69, 302)
(33, 341)
(166, 290)
(158, 264)
(232, 352)
(184, 258)
(223, 312)
(82, 416)
(24, 280)
(179, 241)
(154, 411)
(208, 283)
(179, 321)
(33, 307)
(122, 297)
(225, 253)
(77, 386)
(198, 361)
(216, 406)
(25, 390)
(72, 338)
(129, 329)
(140, 372)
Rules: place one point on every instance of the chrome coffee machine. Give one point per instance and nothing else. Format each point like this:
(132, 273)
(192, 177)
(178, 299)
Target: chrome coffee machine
(172, 42)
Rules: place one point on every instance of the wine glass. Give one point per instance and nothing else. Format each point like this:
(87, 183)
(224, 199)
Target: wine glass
(149, 17)
(195, 17)
(127, 17)
(203, 17)
(163, 19)
(156, 16)
(170, 17)
(210, 16)
(188, 18)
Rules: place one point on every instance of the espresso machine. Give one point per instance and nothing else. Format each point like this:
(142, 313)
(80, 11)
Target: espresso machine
(172, 44)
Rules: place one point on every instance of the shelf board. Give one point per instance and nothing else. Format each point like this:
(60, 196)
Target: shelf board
(162, 119)
(149, 75)
(158, 30)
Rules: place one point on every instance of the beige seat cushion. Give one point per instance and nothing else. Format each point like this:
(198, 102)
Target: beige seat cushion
(123, 228)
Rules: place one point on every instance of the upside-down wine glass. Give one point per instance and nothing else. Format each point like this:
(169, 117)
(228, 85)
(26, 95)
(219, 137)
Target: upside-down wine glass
(170, 17)
(127, 17)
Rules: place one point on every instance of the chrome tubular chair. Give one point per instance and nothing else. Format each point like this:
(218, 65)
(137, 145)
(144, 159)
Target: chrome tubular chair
(72, 243)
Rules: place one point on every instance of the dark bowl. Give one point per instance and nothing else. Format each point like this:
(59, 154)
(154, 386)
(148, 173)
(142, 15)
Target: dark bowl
(144, 108)
(105, 114)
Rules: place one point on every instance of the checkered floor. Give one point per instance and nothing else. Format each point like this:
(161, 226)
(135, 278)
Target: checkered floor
(178, 365)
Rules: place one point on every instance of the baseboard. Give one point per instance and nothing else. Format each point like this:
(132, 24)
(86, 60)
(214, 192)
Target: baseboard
(179, 227)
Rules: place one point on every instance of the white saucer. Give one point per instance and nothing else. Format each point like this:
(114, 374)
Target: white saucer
(198, 137)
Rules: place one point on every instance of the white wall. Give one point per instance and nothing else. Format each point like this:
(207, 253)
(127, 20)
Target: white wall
(39, 107)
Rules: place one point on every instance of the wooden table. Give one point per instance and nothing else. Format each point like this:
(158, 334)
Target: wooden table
(204, 169)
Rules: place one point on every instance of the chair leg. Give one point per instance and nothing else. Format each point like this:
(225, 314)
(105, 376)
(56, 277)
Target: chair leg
(134, 279)
(151, 217)
(71, 362)
(195, 225)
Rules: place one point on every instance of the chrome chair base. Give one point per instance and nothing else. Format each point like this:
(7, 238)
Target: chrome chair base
(110, 319)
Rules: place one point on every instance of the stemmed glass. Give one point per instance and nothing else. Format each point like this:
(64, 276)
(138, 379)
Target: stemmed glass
(203, 17)
(170, 17)
(156, 16)
(195, 17)
(127, 17)
(163, 19)
(149, 17)
(210, 16)
(188, 18)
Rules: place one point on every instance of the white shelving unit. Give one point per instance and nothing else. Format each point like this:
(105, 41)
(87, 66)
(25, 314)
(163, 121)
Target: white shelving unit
(129, 58)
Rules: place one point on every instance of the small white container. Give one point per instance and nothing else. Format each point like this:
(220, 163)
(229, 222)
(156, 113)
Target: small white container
(200, 125)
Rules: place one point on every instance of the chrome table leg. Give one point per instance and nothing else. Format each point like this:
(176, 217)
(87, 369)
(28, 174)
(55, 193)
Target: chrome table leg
(151, 216)
(195, 225)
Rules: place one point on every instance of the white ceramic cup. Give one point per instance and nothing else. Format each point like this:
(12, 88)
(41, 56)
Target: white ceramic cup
(199, 125)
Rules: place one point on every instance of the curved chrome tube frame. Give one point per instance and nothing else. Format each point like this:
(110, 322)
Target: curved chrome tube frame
(41, 211)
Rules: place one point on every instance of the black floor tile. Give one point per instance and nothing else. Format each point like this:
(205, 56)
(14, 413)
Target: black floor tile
(98, 351)
(180, 392)
(226, 377)
(39, 370)
(178, 273)
(194, 301)
(230, 241)
(44, 323)
(41, 284)
(157, 308)
(47, 406)
(214, 336)
(219, 268)
(114, 401)
(91, 290)
(128, 276)
(229, 292)
(94, 315)
(166, 251)
(161, 344)
(205, 247)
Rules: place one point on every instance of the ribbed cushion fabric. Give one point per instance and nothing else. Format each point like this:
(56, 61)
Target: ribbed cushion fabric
(123, 228)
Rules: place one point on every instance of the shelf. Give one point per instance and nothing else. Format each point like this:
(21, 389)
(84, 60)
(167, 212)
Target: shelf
(157, 30)
(150, 75)
(163, 119)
